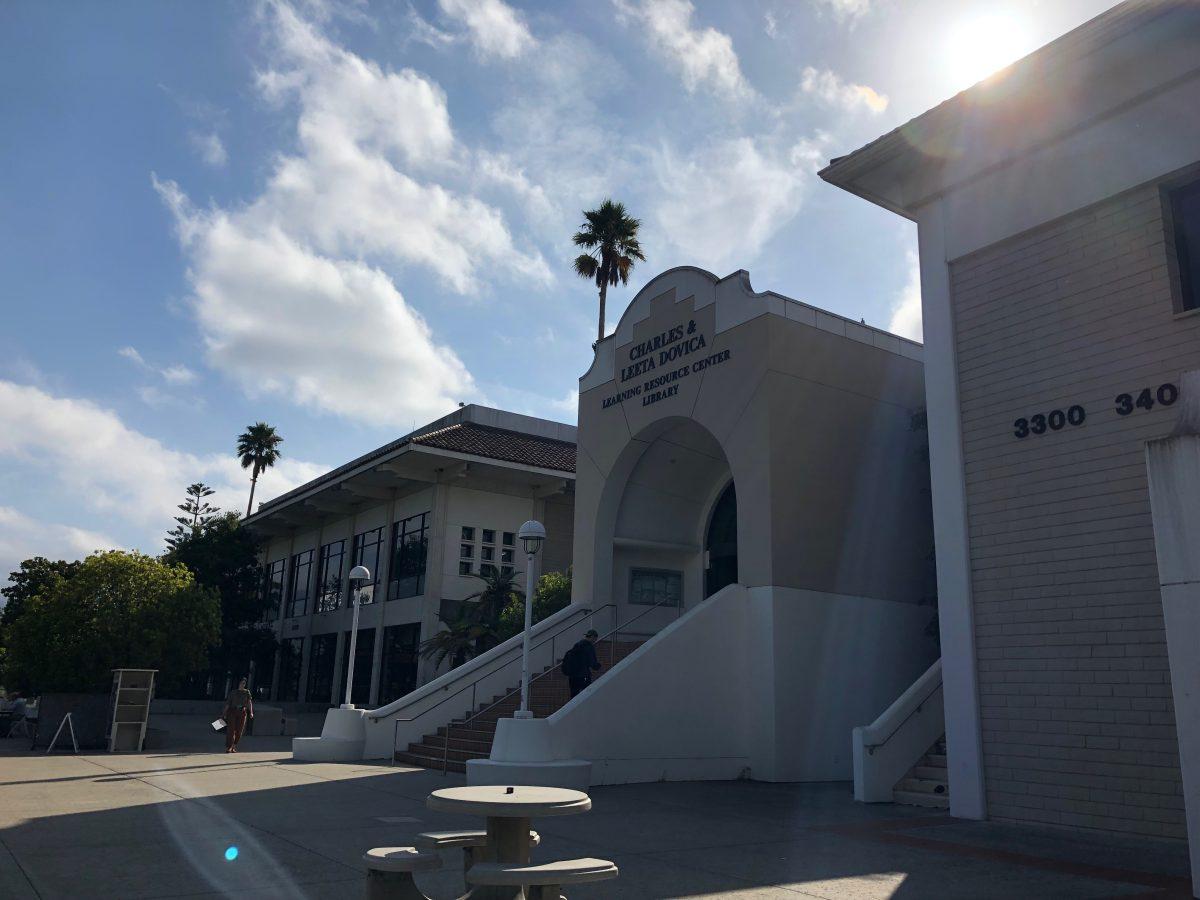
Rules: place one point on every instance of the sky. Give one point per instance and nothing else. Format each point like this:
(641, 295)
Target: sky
(345, 218)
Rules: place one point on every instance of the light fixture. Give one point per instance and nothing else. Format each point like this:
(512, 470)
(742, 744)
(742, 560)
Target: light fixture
(532, 533)
(358, 576)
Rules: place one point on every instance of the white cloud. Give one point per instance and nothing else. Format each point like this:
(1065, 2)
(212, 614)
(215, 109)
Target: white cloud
(721, 204)
(831, 89)
(23, 537)
(90, 458)
(292, 291)
(495, 28)
(210, 148)
(770, 25)
(906, 313)
(703, 56)
(176, 374)
(846, 10)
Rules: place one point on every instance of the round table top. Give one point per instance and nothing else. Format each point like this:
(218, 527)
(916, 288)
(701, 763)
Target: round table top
(518, 801)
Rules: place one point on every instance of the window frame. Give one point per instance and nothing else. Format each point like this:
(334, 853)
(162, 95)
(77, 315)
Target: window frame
(1183, 260)
(293, 586)
(637, 571)
(402, 529)
(322, 597)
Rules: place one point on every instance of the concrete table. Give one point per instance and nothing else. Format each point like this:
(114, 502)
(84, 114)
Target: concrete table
(508, 810)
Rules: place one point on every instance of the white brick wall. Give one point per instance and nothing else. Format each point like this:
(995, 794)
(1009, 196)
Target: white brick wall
(1078, 727)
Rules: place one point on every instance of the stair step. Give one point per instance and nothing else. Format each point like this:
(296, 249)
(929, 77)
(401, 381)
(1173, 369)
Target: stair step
(429, 762)
(457, 743)
(931, 773)
(922, 785)
(440, 753)
(919, 798)
(934, 760)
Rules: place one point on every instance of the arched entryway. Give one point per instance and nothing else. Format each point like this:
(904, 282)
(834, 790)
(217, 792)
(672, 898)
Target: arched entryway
(720, 544)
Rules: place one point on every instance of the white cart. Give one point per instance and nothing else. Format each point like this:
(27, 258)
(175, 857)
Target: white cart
(132, 691)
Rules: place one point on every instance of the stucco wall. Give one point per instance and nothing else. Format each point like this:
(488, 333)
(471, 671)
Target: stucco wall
(1077, 720)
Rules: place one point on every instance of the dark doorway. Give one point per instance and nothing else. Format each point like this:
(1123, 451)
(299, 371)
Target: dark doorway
(720, 546)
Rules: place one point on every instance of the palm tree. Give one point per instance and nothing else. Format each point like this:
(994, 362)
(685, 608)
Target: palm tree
(257, 447)
(474, 625)
(610, 236)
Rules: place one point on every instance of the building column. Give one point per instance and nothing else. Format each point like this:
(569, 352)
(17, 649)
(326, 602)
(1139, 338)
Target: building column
(385, 574)
(956, 609)
(1173, 468)
(279, 618)
(306, 632)
(439, 510)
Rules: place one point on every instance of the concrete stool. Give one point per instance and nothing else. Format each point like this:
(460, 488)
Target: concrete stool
(390, 872)
(469, 841)
(543, 880)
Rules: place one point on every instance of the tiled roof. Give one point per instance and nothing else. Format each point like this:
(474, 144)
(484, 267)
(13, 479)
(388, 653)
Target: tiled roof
(500, 443)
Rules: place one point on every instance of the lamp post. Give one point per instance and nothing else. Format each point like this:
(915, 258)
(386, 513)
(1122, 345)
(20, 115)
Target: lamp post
(532, 534)
(358, 575)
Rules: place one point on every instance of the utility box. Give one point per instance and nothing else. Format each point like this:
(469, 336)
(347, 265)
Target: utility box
(129, 707)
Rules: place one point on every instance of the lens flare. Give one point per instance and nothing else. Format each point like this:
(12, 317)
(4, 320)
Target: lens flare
(231, 853)
(980, 45)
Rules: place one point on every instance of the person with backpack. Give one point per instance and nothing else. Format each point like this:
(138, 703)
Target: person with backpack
(580, 661)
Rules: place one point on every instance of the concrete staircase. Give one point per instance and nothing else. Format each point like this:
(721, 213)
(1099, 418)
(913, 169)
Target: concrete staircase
(473, 739)
(926, 784)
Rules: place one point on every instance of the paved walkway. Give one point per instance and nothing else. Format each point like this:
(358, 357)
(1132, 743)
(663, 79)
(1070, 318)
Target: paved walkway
(162, 825)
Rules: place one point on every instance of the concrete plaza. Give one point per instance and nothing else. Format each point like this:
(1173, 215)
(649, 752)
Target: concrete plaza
(159, 824)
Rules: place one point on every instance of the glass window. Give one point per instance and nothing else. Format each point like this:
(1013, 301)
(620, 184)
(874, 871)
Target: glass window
(290, 650)
(488, 553)
(506, 570)
(273, 587)
(468, 533)
(650, 587)
(1185, 218)
(329, 576)
(398, 676)
(464, 567)
(302, 564)
(506, 555)
(467, 551)
(489, 536)
(321, 655)
(486, 569)
(366, 552)
(410, 545)
(509, 538)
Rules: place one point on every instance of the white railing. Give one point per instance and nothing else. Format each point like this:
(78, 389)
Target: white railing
(891, 745)
(456, 693)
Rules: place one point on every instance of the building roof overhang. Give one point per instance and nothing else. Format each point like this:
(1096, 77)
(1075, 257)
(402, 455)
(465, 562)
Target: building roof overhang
(1066, 86)
(454, 450)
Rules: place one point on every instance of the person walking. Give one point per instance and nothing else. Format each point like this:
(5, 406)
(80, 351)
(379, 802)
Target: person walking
(580, 662)
(238, 706)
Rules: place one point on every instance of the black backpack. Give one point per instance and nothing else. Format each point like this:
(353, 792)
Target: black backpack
(573, 663)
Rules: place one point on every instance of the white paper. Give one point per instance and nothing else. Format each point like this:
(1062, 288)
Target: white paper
(218, 725)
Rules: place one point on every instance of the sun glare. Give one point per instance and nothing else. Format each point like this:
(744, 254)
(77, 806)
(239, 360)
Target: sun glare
(983, 44)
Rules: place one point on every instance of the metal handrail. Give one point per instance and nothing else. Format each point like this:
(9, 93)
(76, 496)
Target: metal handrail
(549, 671)
(871, 748)
(585, 611)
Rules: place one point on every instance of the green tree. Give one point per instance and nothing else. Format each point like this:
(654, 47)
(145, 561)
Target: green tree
(610, 236)
(552, 593)
(27, 582)
(117, 610)
(198, 514)
(31, 579)
(258, 449)
(224, 556)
